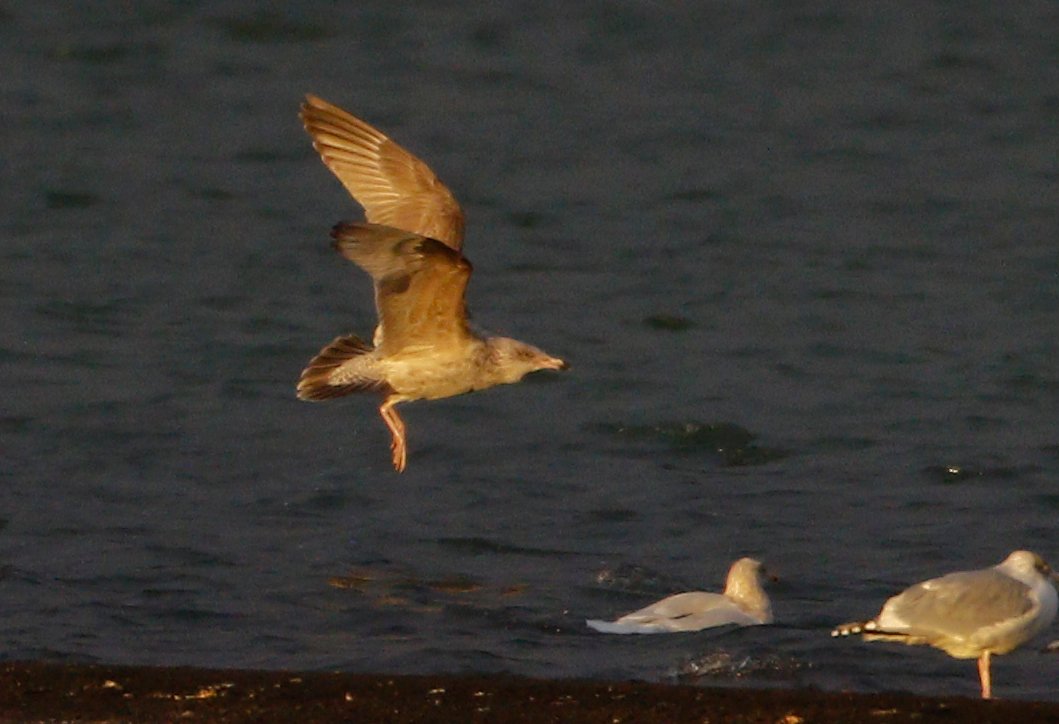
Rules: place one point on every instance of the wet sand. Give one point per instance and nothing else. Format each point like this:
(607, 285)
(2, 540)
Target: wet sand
(45, 691)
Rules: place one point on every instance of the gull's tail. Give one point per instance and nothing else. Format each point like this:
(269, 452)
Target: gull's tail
(853, 628)
(871, 632)
(329, 373)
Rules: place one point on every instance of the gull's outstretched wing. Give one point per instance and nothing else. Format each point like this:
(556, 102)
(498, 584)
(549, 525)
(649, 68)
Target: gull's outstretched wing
(394, 187)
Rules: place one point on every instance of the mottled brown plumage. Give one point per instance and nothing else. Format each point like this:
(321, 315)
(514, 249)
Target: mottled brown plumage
(424, 347)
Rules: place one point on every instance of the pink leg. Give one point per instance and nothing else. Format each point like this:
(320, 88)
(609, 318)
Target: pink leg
(983, 674)
(396, 425)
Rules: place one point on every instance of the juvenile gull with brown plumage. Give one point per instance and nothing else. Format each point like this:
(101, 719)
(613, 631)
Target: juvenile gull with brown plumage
(969, 614)
(424, 347)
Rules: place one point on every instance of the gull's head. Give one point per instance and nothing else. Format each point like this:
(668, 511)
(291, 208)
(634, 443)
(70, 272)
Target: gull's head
(1027, 566)
(512, 360)
(745, 585)
(747, 573)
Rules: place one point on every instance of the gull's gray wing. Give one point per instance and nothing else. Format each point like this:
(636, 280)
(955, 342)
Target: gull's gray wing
(956, 605)
(690, 611)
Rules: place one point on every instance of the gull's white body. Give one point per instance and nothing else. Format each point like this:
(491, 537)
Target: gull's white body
(743, 603)
(969, 614)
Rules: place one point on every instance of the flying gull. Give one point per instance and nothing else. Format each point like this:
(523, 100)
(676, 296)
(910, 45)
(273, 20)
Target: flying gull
(969, 614)
(423, 347)
(744, 603)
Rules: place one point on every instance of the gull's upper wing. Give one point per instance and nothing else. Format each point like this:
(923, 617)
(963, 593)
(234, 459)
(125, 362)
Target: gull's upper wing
(957, 605)
(692, 611)
(419, 284)
(394, 187)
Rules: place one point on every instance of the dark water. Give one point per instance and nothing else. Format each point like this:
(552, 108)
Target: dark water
(804, 258)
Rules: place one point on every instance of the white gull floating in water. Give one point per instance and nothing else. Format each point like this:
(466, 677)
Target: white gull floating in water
(743, 603)
(969, 614)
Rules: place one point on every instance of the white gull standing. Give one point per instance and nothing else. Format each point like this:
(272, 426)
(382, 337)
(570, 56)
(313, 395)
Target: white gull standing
(743, 603)
(969, 614)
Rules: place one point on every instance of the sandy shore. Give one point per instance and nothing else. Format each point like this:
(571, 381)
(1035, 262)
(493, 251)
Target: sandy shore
(43, 691)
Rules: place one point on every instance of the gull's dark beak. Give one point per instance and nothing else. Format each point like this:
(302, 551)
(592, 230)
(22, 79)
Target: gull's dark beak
(554, 363)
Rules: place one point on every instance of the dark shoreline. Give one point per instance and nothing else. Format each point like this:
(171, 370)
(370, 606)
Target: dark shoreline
(49, 691)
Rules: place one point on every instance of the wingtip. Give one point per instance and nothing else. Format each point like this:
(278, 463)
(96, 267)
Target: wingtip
(312, 100)
(852, 628)
(346, 232)
(312, 110)
(343, 227)
(308, 103)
